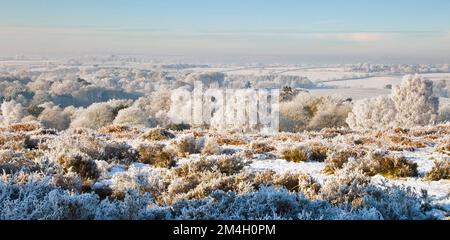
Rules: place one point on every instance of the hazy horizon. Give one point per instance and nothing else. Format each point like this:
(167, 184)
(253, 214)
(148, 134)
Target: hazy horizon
(232, 31)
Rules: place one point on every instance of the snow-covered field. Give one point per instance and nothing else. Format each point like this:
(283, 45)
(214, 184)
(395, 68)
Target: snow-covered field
(92, 138)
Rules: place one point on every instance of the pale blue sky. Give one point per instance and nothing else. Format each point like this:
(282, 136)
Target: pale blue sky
(395, 29)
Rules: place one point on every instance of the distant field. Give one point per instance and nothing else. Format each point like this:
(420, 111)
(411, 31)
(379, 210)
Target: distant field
(354, 93)
(373, 82)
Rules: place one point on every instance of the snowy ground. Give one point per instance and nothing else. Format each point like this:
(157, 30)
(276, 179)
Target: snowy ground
(438, 190)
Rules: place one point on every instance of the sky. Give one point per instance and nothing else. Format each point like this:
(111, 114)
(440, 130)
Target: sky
(293, 30)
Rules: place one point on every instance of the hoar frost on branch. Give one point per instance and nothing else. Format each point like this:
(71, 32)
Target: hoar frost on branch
(415, 102)
(99, 114)
(412, 103)
(12, 112)
(373, 113)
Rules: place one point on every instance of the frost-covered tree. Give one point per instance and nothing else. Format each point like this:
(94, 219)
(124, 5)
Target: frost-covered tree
(373, 113)
(132, 116)
(412, 103)
(306, 112)
(12, 112)
(213, 79)
(99, 114)
(155, 102)
(444, 110)
(54, 117)
(415, 102)
(65, 87)
(332, 113)
(441, 88)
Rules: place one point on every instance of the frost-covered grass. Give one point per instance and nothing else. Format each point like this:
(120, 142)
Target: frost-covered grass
(123, 173)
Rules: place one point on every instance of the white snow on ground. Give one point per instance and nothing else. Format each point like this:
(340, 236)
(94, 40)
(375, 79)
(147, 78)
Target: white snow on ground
(438, 191)
(282, 166)
(372, 82)
(437, 76)
(317, 76)
(354, 93)
(424, 158)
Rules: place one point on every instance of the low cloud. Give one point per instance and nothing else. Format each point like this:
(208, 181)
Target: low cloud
(355, 36)
(365, 37)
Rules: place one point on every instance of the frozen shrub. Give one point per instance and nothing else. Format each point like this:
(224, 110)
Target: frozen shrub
(211, 147)
(13, 142)
(95, 116)
(354, 190)
(290, 181)
(331, 114)
(85, 167)
(70, 181)
(395, 203)
(264, 204)
(120, 152)
(178, 127)
(444, 147)
(153, 107)
(111, 129)
(347, 187)
(264, 178)
(382, 163)
(12, 162)
(94, 147)
(84, 143)
(373, 113)
(230, 165)
(120, 131)
(334, 132)
(308, 186)
(156, 155)
(337, 159)
(157, 134)
(214, 181)
(182, 185)
(415, 102)
(319, 152)
(306, 112)
(295, 154)
(132, 116)
(405, 141)
(296, 114)
(440, 170)
(24, 127)
(27, 201)
(160, 101)
(390, 166)
(39, 200)
(261, 147)
(145, 179)
(186, 146)
(105, 191)
(235, 141)
(133, 207)
(400, 130)
(12, 112)
(224, 164)
(54, 117)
